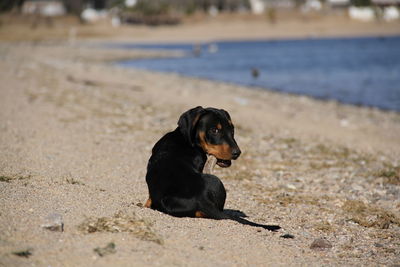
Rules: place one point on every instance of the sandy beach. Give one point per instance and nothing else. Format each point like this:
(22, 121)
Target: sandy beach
(77, 131)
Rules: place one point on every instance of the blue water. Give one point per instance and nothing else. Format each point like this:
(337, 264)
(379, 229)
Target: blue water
(360, 71)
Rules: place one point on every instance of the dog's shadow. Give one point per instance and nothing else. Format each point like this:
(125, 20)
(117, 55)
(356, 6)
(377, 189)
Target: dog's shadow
(239, 216)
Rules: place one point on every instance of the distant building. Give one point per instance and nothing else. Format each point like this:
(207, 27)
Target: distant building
(280, 3)
(47, 8)
(362, 13)
(338, 3)
(259, 6)
(311, 5)
(391, 13)
(387, 10)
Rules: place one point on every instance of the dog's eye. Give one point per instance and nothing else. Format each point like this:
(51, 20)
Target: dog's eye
(214, 131)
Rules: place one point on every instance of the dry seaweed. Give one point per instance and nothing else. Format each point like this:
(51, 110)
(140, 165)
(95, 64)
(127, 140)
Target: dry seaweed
(71, 180)
(285, 199)
(368, 215)
(5, 179)
(324, 226)
(390, 174)
(9, 178)
(26, 253)
(121, 223)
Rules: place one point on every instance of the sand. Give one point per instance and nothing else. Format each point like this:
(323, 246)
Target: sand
(77, 131)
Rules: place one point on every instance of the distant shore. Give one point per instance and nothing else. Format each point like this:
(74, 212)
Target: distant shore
(205, 29)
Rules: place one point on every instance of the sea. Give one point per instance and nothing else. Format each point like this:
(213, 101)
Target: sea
(359, 71)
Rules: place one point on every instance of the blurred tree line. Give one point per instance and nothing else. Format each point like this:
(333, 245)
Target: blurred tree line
(7, 5)
(361, 2)
(156, 7)
(188, 7)
(144, 6)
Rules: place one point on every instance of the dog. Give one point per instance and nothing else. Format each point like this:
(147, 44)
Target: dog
(175, 179)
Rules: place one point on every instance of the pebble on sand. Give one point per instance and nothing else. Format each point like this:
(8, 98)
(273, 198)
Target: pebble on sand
(54, 222)
(320, 244)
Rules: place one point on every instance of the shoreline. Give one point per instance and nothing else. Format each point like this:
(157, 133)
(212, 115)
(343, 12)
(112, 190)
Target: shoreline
(267, 39)
(328, 101)
(186, 52)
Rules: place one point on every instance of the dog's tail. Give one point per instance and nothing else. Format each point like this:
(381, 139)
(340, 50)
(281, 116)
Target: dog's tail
(241, 220)
(216, 214)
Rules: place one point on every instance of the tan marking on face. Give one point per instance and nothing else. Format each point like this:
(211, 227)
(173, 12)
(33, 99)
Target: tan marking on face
(223, 151)
(148, 203)
(219, 126)
(199, 214)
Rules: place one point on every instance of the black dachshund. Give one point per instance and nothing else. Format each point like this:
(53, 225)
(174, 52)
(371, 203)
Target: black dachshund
(177, 185)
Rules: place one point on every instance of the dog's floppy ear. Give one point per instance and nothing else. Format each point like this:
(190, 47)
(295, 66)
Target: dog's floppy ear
(187, 123)
(228, 117)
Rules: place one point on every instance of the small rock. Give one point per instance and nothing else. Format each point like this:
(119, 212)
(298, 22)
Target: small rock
(287, 236)
(357, 187)
(54, 222)
(109, 249)
(344, 123)
(291, 186)
(320, 244)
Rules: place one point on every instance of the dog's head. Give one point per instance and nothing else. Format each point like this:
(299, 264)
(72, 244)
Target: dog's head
(212, 130)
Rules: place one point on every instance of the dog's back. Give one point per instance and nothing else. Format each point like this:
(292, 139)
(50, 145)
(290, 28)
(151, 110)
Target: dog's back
(174, 172)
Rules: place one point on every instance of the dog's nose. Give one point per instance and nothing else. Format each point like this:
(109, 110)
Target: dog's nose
(236, 153)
